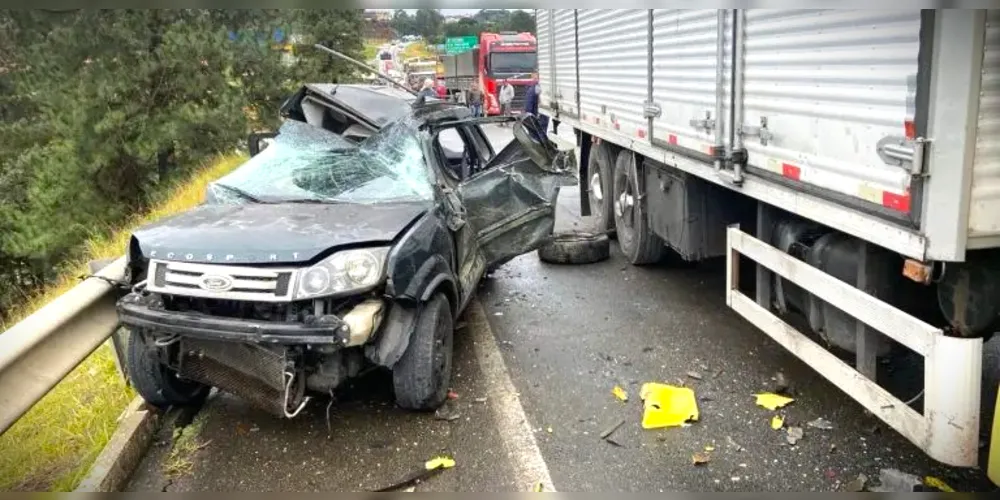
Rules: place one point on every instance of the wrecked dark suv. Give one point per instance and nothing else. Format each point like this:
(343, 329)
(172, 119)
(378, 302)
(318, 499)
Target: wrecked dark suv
(353, 237)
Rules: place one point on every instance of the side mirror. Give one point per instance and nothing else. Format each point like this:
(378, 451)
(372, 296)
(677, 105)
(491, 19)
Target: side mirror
(529, 134)
(258, 141)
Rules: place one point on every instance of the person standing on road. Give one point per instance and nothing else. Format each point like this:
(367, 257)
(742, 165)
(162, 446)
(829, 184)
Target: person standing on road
(427, 90)
(531, 101)
(506, 97)
(476, 100)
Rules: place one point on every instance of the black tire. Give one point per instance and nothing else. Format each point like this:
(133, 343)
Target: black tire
(600, 169)
(576, 247)
(157, 383)
(422, 375)
(636, 240)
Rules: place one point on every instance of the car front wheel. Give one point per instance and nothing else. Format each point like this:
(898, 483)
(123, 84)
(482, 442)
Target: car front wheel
(156, 382)
(422, 375)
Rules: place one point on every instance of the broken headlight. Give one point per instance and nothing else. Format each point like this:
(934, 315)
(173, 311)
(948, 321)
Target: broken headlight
(346, 271)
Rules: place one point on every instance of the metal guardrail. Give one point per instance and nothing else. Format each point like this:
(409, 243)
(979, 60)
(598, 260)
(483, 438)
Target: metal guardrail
(37, 353)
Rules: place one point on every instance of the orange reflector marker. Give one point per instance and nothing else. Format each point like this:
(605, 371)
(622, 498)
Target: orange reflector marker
(900, 202)
(911, 129)
(641, 133)
(672, 139)
(917, 271)
(791, 171)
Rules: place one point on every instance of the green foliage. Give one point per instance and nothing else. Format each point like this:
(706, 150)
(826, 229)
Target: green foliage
(430, 24)
(99, 109)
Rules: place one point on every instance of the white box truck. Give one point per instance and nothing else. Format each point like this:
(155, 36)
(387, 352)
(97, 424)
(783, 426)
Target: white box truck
(850, 159)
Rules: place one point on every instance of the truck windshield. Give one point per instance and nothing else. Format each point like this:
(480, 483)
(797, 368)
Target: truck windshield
(306, 164)
(511, 63)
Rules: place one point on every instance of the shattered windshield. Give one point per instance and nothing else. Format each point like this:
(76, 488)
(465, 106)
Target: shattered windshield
(307, 164)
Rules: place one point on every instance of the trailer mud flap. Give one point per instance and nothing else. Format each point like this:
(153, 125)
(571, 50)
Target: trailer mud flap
(948, 428)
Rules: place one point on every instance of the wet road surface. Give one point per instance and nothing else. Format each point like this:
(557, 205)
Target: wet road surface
(548, 343)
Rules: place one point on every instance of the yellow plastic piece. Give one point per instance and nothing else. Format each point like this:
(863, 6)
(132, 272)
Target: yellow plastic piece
(667, 405)
(777, 422)
(439, 463)
(772, 401)
(620, 393)
(993, 462)
(938, 484)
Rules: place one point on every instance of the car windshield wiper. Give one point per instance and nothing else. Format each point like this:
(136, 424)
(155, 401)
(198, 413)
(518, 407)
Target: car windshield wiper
(241, 193)
(313, 201)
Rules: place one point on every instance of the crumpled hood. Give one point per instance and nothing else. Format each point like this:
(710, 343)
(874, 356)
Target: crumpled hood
(272, 233)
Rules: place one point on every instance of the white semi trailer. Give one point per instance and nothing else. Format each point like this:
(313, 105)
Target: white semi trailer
(858, 151)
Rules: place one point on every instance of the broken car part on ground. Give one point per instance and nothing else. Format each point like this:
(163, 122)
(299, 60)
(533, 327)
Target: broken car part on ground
(353, 239)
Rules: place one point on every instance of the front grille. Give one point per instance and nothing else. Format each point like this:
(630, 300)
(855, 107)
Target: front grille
(258, 284)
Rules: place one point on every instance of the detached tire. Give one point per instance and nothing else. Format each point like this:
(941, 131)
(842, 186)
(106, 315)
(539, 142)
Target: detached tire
(575, 247)
(600, 169)
(157, 383)
(637, 241)
(422, 375)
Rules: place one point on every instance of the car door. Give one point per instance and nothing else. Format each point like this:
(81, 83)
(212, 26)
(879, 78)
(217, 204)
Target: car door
(510, 202)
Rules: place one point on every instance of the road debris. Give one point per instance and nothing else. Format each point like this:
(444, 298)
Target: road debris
(938, 484)
(772, 401)
(620, 393)
(894, 481)
(780, 383)
(430, 469)
(694, 375)
(480, 400)
(793, 435)
(821, 423)
(857, 485)
(452, 395)
(700, 458)
(538, 488)
(709, 448)
(447, 413)
(733, 444)
(667, 406)
(777, 422)
(612, 428)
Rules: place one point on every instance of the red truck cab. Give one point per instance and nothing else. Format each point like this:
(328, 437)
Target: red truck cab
(507, 56)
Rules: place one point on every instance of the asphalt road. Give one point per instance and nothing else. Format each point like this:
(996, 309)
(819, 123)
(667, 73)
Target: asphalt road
(536, 359)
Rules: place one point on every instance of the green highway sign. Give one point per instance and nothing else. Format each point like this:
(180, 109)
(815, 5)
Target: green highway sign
(459, 44)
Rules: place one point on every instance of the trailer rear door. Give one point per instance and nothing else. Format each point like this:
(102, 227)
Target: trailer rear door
(823, 90)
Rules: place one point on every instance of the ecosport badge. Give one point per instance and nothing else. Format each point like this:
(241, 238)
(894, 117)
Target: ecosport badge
(216, 283)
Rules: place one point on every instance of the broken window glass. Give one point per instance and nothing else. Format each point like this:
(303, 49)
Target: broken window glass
(309, 164)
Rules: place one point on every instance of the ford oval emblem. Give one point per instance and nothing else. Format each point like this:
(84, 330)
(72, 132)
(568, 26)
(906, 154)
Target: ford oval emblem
(216, 283)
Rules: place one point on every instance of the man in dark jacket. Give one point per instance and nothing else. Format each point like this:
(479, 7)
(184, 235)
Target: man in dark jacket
(533, 97)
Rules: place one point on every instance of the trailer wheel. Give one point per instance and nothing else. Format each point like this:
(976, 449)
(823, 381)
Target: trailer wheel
(575, 247)
(600, 169)
(637, 241)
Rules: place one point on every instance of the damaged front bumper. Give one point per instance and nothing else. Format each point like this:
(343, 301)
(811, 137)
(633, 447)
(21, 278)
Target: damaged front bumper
(146, 311)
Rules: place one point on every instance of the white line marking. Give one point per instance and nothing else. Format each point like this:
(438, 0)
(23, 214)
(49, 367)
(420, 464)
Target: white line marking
(515, 429)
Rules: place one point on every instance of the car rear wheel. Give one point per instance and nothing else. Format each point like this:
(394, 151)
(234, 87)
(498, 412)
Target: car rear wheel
(637, 241)
(600, 168)
(422, 375)
(156, 382)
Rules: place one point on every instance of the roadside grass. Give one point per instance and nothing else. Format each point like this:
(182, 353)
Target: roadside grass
(52, 447)
(186, 443)
(418, 49)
